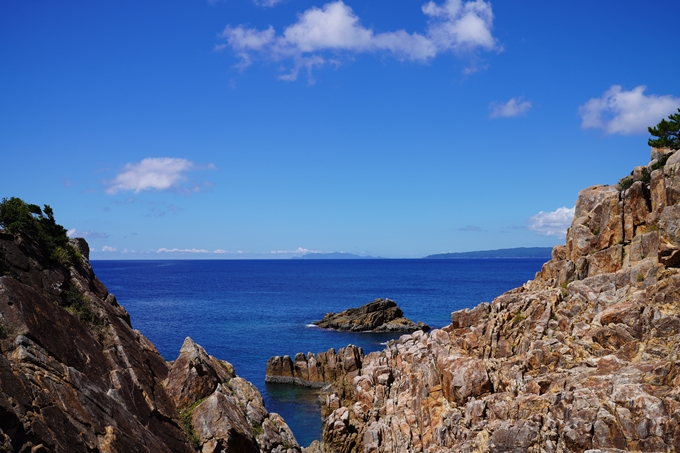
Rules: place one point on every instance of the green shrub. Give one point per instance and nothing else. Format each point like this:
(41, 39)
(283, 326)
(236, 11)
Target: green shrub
(17, 216)
(185, 417)
(625, 183)
(519, 317)
(74, 301)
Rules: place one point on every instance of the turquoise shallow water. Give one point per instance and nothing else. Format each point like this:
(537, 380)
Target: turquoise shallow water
(247, 311)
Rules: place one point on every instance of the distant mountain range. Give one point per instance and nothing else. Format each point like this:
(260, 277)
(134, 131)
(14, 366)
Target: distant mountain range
(519, 252)
(334, 256)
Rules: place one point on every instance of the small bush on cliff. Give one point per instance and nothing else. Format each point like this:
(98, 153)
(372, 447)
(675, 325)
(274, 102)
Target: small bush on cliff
(17, 216)
(667, 131)
(74, 301)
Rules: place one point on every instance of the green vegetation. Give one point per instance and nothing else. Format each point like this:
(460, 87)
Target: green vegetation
(185, 417)
(17, 216)
(659, 163)
(256, 428)
(519, 317)
(625, 183)
(74, 301)
(668, 133)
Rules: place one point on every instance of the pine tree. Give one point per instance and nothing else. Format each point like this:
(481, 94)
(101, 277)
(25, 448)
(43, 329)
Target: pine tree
(667, 131)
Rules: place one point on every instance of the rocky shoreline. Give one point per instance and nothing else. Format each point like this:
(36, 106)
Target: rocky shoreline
(76, 377)
(581, 359)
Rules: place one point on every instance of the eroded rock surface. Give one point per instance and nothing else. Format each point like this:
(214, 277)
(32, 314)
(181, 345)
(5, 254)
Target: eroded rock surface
(76, 377)
(581, 359)
(316, 370)
(381, 315)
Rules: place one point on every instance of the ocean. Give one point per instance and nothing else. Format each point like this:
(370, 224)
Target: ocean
(245, 311)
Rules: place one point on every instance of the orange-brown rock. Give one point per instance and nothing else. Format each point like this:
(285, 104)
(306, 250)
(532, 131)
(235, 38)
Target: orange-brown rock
(581, 359)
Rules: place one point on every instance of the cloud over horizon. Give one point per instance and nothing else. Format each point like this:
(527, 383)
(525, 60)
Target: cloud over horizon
(514, 107)
(626, 112)
(454, 26)
(153, 173)
(553, 223)
(87, 234)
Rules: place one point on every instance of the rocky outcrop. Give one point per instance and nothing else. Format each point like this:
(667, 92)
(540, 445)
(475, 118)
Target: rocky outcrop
(582, 358)
(76, 377)
(381, 315)
(316, 370)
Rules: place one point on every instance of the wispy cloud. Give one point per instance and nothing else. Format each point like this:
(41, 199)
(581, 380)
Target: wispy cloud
(626, 112)
(154, 173)
(229, 252)
(514, 107)
(107, 248)
(553, 223)
(176, 250)
(298, 250)
(267, 3)
(87, 234)
(472, 228)
(329, 34)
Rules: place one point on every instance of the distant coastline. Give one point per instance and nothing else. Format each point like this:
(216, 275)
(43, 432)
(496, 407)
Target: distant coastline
(335, 256)
(519, 252)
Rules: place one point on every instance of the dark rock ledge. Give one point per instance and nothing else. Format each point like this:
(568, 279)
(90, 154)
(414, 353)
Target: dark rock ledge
(381, 315)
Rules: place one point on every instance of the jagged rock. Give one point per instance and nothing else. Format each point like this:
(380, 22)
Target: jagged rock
(581, 359)
(381, 315)
(316, 370)
(82, 380)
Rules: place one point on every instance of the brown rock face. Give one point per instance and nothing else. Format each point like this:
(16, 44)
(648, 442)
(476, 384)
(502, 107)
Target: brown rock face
(75, 376)
(582, 358)
(315, 370)
(224, 412)
(381, 315)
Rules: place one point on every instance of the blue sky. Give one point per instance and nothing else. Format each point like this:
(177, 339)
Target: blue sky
(263, 129)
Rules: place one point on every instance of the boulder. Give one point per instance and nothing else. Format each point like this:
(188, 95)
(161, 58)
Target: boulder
(381, 315)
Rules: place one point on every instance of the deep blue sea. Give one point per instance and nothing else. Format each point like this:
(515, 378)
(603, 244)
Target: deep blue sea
(245, 311)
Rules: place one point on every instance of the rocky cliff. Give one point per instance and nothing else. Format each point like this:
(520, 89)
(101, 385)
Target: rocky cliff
(76, 377)
(582, 358)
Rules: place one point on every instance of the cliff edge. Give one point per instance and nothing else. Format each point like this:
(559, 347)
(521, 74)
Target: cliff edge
(76, 377)
(582, 358)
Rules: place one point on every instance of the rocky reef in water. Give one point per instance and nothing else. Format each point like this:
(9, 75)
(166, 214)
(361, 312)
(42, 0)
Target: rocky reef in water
(76, 377)
(315, 370)
(381, 315)
(584, 358)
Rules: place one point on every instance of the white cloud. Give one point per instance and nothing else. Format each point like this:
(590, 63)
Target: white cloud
(267, 3)
(106, 248)
(453, 26)
(553, 223)
(87, 234)
(222, 252)
(176, 250)
(153, 173)
(298, 250)
(514, 107)
(626, 112)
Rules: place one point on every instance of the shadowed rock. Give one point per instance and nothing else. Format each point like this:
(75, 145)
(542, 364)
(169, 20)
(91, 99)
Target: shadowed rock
(381, 315)
(75, 377)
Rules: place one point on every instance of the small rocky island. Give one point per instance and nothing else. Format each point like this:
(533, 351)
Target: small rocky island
(381, 315)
